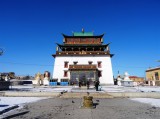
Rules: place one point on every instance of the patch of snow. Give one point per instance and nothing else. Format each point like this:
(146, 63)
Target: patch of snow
(148, 89)
(151, 101)
(62, 89)
(6, 102)
(31, 88)
(131, 89)
(114, 88)
(22, 86)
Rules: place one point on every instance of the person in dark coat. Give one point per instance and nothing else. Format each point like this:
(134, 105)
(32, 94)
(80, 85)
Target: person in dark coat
(88, 84)
(96, 85)
(80, 84)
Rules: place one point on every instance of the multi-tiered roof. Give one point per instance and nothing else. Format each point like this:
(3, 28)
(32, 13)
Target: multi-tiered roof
(83, 43)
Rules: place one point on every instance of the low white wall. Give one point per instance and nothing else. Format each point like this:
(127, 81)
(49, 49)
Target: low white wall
(135, 95)
(31, 94)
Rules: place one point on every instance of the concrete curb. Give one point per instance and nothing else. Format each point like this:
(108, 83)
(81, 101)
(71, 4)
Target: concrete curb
(115, 95)
(135, 94)
(31, 94)
(80, 95)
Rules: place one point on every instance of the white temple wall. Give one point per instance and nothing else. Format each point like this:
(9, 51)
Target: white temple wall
(107, 74)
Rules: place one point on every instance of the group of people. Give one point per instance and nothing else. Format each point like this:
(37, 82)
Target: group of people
(96, 84)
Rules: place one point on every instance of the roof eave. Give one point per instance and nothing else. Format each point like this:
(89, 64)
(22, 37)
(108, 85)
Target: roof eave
(97, 36)
(54, 55)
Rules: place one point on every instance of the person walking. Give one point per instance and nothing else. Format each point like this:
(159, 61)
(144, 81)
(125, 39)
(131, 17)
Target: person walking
(96, 85)
(88, 84)
(80, 84)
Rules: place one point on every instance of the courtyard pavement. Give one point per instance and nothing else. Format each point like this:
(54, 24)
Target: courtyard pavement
(57, 108)
(69, 107)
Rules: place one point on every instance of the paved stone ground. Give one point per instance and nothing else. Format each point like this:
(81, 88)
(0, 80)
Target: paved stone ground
(61, 108)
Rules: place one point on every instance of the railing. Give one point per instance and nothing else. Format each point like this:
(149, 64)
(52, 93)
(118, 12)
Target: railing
(84, 42)
(82, 67)
(83, 53)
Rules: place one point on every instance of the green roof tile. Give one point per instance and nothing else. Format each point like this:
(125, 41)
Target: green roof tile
(83, 34)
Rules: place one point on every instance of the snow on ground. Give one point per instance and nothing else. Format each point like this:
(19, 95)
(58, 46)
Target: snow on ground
(151, 101)
(32, 88)
(113, 88)
(148, 88)
(6, 102)
(116, 88)
(68, 89)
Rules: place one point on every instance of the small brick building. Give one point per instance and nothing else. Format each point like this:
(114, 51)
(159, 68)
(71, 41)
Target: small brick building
(153, 77)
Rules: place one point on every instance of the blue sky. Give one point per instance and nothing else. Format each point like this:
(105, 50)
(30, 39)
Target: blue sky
(29, 30)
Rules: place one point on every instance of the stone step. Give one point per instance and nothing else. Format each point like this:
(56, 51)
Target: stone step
(2, 93)
(80, 95)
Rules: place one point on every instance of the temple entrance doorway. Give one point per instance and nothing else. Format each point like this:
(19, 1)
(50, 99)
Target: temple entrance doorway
(83, 77)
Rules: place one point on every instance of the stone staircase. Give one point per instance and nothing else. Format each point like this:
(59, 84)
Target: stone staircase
(80, 95)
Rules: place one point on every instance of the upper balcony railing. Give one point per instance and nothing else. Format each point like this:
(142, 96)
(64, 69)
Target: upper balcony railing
(83, 40)
(83, 53)
(71, 67)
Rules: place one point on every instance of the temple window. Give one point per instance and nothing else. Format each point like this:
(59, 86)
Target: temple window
(65, 64)
(90, 62)
(99, 64)
(156, 76)
(65, 73)
(99, 73)
(75, 62)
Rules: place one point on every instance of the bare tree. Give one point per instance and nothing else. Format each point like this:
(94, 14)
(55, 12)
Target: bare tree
(1, 51)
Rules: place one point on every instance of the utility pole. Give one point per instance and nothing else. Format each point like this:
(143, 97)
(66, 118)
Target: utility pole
(1, 52)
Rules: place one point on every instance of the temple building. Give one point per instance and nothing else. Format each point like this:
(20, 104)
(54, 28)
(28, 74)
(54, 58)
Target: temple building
(83, 57)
